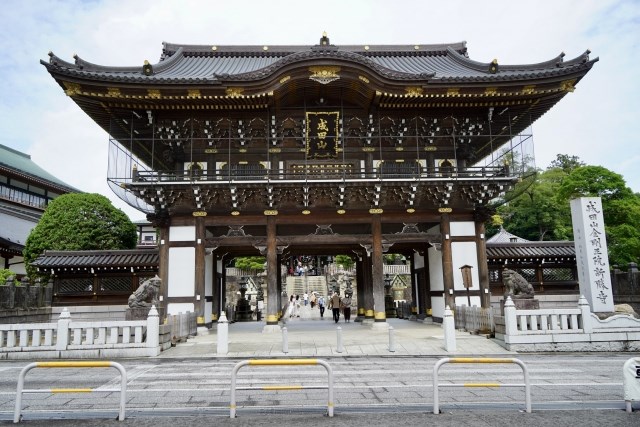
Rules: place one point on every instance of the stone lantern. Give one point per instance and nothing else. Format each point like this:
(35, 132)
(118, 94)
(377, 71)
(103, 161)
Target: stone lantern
(389, 306)
(243, 308)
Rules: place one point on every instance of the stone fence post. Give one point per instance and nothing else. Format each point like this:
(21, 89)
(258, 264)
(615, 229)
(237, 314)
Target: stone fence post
(153, 328)
(63, 330)
(510, 318)
(585, 315)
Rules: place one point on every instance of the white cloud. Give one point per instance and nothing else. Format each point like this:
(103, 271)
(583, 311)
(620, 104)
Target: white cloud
(596, 122)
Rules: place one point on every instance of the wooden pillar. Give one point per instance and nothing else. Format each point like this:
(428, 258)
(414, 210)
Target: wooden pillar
(217, 280)
(415, 297)
(200, 297)
(367, 287)
(377, 273)
(447, 261)
(272, 272)
(425, 286)
(163, 270)
(483, 267)
(279, 287)
(360, 286)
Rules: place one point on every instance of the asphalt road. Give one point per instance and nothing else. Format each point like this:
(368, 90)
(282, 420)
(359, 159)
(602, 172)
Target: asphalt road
(566, 389)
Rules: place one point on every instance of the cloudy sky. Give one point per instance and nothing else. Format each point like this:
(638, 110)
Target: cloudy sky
(595, 123)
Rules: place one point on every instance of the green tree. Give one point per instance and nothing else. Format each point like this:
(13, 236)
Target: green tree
(620, 209)
(594, 181)
(566, 162)
(344, 260)
(5, 274)
(77, 222)
(536, 213)
(250, 263)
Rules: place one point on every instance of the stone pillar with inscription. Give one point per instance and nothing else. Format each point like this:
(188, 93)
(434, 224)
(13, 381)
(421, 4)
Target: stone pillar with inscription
(592, 257)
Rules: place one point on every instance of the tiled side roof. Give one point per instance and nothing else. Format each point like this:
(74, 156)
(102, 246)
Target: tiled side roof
(503, 236)
(98, 259)
(209, 64)
(496, 251)
(21, 163)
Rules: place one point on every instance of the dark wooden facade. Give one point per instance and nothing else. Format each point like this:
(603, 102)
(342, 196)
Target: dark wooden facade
(323, 149)
(97, 277)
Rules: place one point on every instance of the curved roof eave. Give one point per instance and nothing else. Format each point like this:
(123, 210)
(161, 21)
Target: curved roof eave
(174, 68)
(337, 58)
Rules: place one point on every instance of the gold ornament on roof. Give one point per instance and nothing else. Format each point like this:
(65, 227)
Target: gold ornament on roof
(413, 91)
(154, 94)
(568, 85)
(113, 91)
(529, 89)
(72, 88)
(324, 75)
(193, 93)
(234, 92)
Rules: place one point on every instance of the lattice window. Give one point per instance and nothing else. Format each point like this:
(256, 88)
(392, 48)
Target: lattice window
(399, 169)
(558, 275)
(529, 274)
(74, 286)
(116, 284)
(245, 170)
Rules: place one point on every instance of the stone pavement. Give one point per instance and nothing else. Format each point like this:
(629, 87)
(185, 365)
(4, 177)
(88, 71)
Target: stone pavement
(311, 336)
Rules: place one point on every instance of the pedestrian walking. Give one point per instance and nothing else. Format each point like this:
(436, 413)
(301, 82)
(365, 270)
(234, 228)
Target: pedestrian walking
(291, 309)
(305, 298)
(313, 300)
(346, 307)
(297, 306)
(334, 305)
(321, 306)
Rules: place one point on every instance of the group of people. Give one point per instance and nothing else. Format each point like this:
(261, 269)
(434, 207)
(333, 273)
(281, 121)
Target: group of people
(336, 304)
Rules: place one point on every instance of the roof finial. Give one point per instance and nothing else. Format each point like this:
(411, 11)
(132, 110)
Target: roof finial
(324, 41)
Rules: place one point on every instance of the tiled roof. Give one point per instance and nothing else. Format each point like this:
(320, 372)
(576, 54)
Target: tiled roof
(9, 246)
(445, 63)
(98, 259)
(503, 236)
(538, 250)
(21, 163)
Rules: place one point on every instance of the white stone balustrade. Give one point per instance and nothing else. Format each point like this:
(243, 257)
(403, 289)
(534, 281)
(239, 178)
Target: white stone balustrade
(568, 329)
(68, 339)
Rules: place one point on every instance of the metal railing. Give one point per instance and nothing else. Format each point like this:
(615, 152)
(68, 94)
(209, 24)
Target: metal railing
(17, 416)
(439, 363)
(281, 362)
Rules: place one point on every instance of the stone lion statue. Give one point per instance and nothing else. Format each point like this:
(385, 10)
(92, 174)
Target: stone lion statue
(146, 295)
(515, 285)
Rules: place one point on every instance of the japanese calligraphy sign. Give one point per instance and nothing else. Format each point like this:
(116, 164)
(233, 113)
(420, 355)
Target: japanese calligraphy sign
(322, 135)
(591, 253)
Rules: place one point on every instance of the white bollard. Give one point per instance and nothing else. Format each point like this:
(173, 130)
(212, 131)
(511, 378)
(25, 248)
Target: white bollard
(223, 334)
(392, 339)
(449, 326)
(340, 348)
(285, 341)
